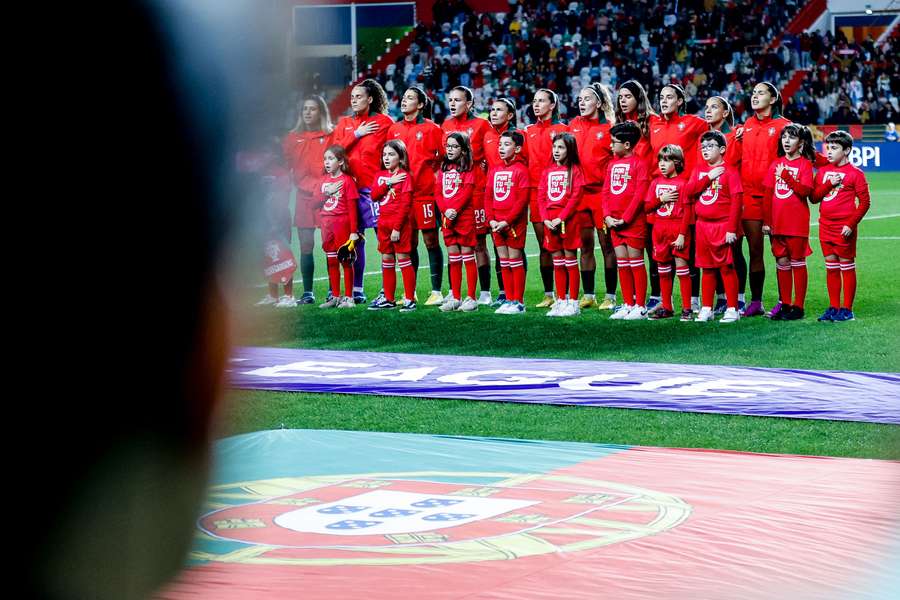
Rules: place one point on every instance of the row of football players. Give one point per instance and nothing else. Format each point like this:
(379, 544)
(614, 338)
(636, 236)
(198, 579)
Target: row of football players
(589, 147)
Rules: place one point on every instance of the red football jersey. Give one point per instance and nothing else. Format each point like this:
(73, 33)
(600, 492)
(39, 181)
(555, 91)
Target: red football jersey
(455, 190)
(625, 188)
(559, 193)
(506, 194)
(592, 137)
(839, 203)
(759, 147)
(341, 204)
(682, 130)
(676, 212)
(395, 204)
(363, 154)
(307, 151)
(785, 207)
(719, 200)
(539, 138)
(424, 144)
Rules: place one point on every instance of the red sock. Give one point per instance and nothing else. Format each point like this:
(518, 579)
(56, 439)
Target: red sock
(334, 273)
(471, 274)
(559, 273)
(785, 283)
(729, 278)
(518, 271)
(455, 274)
(833, 281)
(684, 282)
(626, 281)
(848, 274)
(639, 272)
(574, 277)
(801, 278)
(666, 283)
(708, 287)
(348, 279)
(409, 278)
(508, 284)
(389, 279)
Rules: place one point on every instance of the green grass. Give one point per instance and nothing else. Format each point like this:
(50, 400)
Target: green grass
(868, 344)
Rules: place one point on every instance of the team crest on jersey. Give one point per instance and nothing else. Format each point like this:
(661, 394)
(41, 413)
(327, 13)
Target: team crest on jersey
(619, 178)
(834, 192)
(502, 185)
(450, 183)
(710, 194)
(469, 132)
(681, 127)
(419, 136)
(599, 135)
(771, 131)
(557, 182)
(782, 190)
(665, 209)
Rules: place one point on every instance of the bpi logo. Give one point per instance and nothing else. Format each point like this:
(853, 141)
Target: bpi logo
(861, 155)
(782, 190)
(710, 194)
(834, 192)
(665, 209)
(557, 182)
(450, 183)
(502, 185)
(619, 179)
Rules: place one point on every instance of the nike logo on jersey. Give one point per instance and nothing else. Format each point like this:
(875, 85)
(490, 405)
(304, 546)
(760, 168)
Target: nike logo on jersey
(657, 130)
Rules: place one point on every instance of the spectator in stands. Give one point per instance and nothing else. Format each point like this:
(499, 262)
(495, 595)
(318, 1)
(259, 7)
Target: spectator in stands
(844, 115)
(890, 133)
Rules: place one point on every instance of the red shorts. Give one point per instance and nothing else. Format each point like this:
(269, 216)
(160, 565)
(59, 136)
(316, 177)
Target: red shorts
(335, 232)
(664, 234)
(790, 246)
(306, 216)
(711, 250)
(834, 243)
(425, 213)
(481, 225)
(460, 238)
(555, 241)
(593, 208)
(403, 245)
(507, 238)
(634, 236)
(534, 211)
(752, 209)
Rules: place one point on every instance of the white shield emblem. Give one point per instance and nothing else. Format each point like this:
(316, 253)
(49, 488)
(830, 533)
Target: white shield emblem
(385, 512)
(665, 209)
(771, 131)
(556, 185)
(710, 194)
(681, 127)
(502, 185)
(419, 136)
(619, 178)
(469, 132)
(450, 183)
(599, 135)
(782, 190)
(834, 192)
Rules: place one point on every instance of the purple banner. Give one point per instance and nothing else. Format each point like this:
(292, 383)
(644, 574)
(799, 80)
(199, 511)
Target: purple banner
(837, 395)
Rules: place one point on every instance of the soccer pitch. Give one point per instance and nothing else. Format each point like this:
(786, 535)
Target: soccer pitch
(869, 344)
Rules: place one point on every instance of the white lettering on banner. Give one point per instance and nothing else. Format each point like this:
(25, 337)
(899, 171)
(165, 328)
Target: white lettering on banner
(861, 155)
(307, 368)
(513, 377)
(741, 387)
(284, 265)
(416, 374)
(583, 384)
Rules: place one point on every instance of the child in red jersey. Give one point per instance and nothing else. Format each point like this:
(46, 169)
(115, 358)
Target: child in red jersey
(424, 145)
(460, 102)
(788, 185)
(539, 140)
(559, 193)
(393, 190)
(837, 187)
(624, 191)
(716, 192)
(338, 216)
(506, 205)
(456, 181)
(671, 233)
